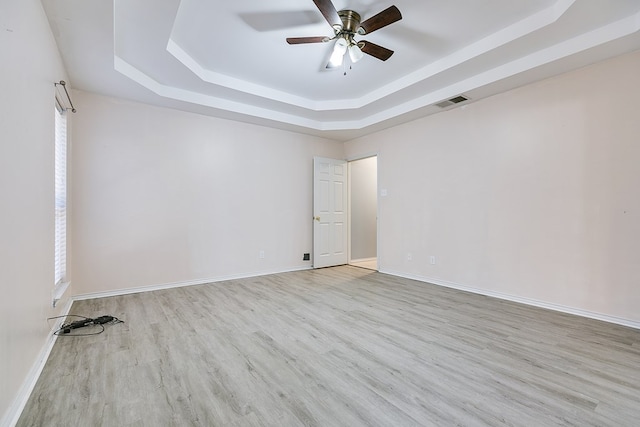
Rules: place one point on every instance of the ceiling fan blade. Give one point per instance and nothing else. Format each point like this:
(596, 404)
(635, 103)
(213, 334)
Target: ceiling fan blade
(300, 40)
(329, 12)
(382, 19)
(382, 53)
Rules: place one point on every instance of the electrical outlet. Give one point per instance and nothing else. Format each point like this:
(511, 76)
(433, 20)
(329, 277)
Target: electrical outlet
(409, 257)
(432, 260)
(261, 255)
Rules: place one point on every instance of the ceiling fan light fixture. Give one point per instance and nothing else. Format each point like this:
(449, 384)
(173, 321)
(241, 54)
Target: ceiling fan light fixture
(335, 60)
(339, 49)
(355, 53)
(341, 46)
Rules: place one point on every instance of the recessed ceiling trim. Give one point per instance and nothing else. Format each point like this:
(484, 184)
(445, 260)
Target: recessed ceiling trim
(236, 84)
(621, 28)
(198, 98)
(509, 34)
(504, 36)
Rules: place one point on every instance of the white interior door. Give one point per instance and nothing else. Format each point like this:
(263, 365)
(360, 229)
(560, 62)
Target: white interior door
(329, 212)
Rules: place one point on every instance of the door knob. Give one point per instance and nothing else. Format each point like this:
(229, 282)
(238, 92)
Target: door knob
(317, 218)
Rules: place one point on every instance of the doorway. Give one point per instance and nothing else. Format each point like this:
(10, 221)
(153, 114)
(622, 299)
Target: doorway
(363, 212)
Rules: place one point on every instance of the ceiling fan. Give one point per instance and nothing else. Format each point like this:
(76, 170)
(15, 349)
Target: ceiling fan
(346, 25)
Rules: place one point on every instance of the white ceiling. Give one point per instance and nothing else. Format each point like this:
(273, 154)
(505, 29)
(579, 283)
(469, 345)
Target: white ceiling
(230, 59)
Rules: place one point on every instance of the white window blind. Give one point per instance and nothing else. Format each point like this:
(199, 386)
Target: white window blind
(60, 195)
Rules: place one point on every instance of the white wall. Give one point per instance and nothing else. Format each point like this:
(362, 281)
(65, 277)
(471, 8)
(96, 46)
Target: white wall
(363, 190)
(30, 66)
(534, 193)
(163, 196)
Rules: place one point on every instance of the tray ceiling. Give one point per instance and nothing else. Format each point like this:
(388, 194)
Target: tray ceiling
(230, 59)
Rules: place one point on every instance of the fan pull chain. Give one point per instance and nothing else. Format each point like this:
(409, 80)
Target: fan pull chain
(345, 69)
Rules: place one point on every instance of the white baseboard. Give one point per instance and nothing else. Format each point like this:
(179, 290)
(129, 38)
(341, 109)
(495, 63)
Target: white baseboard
(158, 287)
(522, 300)
(15, 409)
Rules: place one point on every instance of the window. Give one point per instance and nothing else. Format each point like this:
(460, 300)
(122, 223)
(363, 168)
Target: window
(60, 195)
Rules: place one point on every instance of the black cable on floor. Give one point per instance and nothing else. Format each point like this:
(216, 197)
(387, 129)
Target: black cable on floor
(66, 328)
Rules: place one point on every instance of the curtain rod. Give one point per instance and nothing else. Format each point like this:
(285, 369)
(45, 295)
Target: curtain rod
(64, 86)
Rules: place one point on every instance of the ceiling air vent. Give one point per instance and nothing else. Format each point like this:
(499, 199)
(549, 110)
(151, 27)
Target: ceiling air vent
(453, 101)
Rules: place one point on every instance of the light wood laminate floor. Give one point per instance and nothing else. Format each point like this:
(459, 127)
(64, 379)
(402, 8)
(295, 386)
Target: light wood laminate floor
(370, 263)
(336, 347)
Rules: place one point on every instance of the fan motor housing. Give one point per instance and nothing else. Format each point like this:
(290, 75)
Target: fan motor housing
(350, 21)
